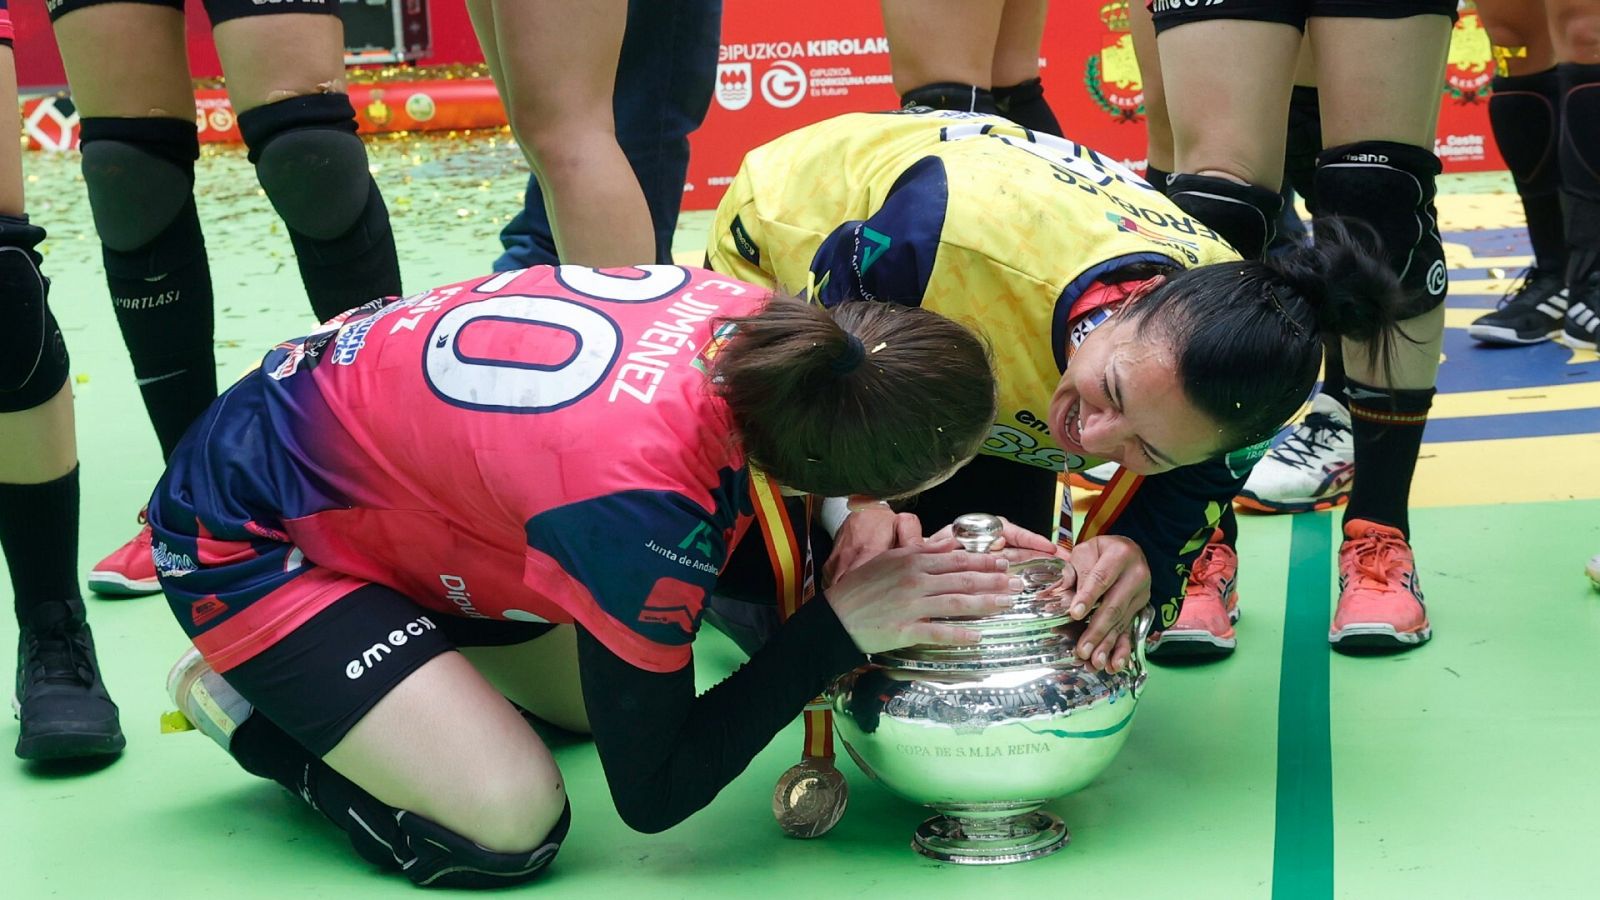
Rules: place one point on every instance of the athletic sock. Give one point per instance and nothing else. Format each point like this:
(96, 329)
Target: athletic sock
(1228, 524)
(267, 751)
(1025, 105)
(951, 95)
(39, 537)
(1524, 111)
(162, 297)
(1303, 143)
(357, 267)
(1333, 380)
(1387, 428)
(1580, 166)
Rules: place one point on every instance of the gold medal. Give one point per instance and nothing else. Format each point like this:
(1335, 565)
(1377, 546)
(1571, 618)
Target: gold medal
(810, 798)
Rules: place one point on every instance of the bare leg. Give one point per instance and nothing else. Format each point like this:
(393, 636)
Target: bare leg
(1393, 95)
(271, 58)
(932, 41)
(1158, 127)
(1519, 26)
(541, 676)
(1016, 46)
(1227, 86)
(1574, 30)
(446, 745)
(149, 80)
(557, 89)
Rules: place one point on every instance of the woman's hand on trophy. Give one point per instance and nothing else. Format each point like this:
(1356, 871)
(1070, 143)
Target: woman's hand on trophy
(868, 531)
(1112, 580)
(1016, 543)
(888, 601)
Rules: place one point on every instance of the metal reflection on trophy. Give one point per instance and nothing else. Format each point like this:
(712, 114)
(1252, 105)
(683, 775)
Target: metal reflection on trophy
(987, 734)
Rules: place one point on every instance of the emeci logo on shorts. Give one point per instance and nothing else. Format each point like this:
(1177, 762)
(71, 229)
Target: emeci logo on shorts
(373, 655)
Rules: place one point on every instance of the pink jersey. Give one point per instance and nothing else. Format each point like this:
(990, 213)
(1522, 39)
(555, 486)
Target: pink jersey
(540, 445)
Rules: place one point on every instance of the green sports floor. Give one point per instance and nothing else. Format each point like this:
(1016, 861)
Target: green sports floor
(1464, 769)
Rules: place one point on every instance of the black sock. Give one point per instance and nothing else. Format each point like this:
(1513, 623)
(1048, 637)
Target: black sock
(358, 266)
(1580, 163)
(1158, 178)
(162, 296)
(1388, 427)
(1229, 526)
(1303, 143)
(39, 536)
(1333, 381)
(1025, 105)
(267, 751)
(1524, 111)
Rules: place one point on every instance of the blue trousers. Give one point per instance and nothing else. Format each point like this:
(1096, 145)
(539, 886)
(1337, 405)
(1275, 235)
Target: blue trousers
(665, 76)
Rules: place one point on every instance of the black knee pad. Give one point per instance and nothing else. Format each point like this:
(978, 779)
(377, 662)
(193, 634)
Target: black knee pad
(1245, 215)
(33, 355)
(1390, 186)
(310, 162)
(443, 858)
(1025, 105)
(1303, 143)
(951, 95)
(140, 178)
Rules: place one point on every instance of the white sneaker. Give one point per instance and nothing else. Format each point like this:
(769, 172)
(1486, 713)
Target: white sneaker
(1593, 569)
(210, 703)
(1308, 470)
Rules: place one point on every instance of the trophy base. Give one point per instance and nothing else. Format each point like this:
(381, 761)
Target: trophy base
(994, 842)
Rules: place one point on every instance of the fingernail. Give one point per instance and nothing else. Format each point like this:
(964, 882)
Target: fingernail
(1085, 649)
(1100, 660)
(1014, 584)
(1001, 564)
(1078, 610)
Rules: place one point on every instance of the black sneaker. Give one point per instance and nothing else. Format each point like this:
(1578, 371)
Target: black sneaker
(61, 702)
(1583, 316)
(1530, 313)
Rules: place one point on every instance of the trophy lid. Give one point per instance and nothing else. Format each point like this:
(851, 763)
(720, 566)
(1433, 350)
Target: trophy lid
(1037, 607)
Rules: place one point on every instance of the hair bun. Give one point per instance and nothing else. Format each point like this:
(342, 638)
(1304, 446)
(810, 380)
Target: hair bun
(1344, 274)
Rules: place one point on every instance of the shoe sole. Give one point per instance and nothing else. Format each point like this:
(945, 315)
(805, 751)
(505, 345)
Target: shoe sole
(1377, 636)
(1505, 337)
(1194, 643)
(1578, 343)
(115, 584)
(68, 744)
(1274, 507)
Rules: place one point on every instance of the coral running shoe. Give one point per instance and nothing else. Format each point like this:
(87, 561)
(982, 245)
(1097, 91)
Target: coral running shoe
(129, 571)
(1380, 595)
(1210, 608)
(1308, 470)
(1593, 568)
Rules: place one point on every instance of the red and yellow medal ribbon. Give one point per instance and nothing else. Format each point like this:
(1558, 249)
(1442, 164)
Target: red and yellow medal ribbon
(789, 550)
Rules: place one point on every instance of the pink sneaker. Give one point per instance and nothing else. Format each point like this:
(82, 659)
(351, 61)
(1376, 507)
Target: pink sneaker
(1210, 607)
(1380, 597)
(129, 571)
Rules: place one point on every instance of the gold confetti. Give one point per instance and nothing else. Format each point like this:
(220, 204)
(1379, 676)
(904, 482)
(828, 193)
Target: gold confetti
(1497, 272)
(881, 345)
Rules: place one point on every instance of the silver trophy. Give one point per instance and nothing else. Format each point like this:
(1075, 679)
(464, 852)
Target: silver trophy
(988, 733)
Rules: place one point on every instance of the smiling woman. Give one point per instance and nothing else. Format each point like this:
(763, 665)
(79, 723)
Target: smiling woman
(1218, 357)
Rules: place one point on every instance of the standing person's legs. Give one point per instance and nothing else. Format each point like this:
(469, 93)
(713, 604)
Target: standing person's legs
(1378, 121)
(63, 708)
(1014, 74)
(942, 51)
(1575, 32)
(1525, 113)
(665, 77)
(1158, 126)
(286, 80)
(128, 69)
(558, 88)
(1227, 85)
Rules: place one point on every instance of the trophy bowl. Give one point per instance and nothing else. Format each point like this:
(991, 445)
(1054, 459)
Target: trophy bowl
(988, 733)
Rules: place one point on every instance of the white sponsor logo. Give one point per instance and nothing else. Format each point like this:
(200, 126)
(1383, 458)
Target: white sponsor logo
(733, 85)
(375, 654)
(455, 590)
(1438, 278)
(171, 564)
(784, 84)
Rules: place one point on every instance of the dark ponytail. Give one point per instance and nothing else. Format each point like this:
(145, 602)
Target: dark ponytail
(866, 398)
(1249, 336)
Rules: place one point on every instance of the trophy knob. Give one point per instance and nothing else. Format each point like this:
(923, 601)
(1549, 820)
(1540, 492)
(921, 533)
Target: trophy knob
(810, 798)
(978, 532)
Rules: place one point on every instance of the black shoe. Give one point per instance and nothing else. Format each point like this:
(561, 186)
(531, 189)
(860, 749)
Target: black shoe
(1582, 323)
(61, 702)
(1530, 313)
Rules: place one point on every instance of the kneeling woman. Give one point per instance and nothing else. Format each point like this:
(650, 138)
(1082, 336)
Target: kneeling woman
(544, 470)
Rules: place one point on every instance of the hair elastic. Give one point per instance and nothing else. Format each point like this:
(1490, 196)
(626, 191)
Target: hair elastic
(849, 359)
(1280, 294)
